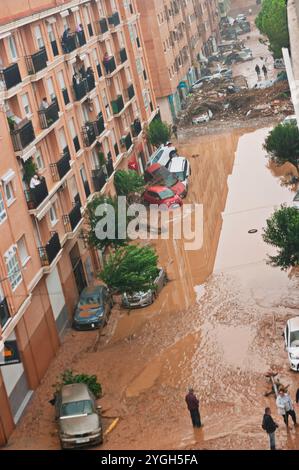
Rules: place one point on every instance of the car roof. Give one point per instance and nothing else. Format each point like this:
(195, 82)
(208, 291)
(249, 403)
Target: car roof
(177, 164)
(158, 189)
(294, 323)
(74, 392)
(91, 290)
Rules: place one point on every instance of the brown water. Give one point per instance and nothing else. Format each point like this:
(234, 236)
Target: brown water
(216, 325)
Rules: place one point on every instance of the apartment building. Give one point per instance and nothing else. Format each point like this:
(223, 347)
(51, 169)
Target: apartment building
(291, 58)
(75, 94)
(178, 35)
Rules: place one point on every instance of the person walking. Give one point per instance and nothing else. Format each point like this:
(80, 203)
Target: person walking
(285, 407)
(258, 71)
(193, 406)
(265, 72)
(270, 427)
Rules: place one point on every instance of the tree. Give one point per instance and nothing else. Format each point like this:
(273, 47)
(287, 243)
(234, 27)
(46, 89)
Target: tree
(68, 377)
(282, 144)
(273, 22)
(158, 132)
(106, 227)
(131, 268)
(128, 182)
(282, 231)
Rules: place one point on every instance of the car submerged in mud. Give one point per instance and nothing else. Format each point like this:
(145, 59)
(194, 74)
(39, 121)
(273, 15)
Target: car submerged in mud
(143, 299)
(291, 338)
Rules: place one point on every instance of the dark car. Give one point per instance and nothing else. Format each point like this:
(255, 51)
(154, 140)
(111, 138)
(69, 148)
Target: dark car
(78, 417)
(158, 174)
(93, 308)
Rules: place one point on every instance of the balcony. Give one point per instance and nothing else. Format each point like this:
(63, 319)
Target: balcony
(4, 312)
(123, 55)
(37, 61)
(80, 89)
(90, 81)
(22, 136)
(114, 20)
(65, 95)
(90, 30)
(80, 38)
(61, 168)
(103, 25)
(110, 65)
(128, 141)
(49, 115)
(76, 143)
(49, 252)
(35, 196)
(88, 134)
(54, 48)
(109, 166)
(86, 188)
(99, 178)
(131, 91)
(72, 219)
(10, 76)
(117, 105)
(99, 124)
(99, 70)
(69, 44)
(136, 127)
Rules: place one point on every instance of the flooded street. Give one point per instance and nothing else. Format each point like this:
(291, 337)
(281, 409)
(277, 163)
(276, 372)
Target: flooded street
(216, 325)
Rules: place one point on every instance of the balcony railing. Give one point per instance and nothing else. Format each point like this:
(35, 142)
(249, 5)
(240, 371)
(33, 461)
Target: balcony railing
(54, 48)
(76, 143)
(49, 115)
(35, 196)
(80, 38)
(72, 219)
(99, 178)
(88, 133)
(136, 127)
(99, 124)
(114, 20)
(86, 188)
(80, 89)
(109, 167)
(123, 55)
(37, 61)
(61, 168)
(103, 25)
(110, 65)
(4, 312)
(128, 141)
(49, 252)
(117, 105)
(11, 76)
(90, 82)
(99, 70)
(131, 91)
(65, 95)
(90, 30)
(23, 136)
(69, 44)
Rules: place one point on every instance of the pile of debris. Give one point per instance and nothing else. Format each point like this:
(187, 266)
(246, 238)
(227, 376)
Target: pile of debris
(231, 101)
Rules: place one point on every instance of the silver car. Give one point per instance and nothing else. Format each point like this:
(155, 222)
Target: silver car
(78, 417)
(143, 299)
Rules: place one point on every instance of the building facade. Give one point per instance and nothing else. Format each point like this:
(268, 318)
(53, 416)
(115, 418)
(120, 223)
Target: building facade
(75, 94)
(291, 58)
(177, 35)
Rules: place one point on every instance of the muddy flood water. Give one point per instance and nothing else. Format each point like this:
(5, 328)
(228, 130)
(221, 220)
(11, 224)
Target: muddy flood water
(216, 325)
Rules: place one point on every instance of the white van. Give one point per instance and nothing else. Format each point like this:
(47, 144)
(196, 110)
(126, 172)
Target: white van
(181, 168)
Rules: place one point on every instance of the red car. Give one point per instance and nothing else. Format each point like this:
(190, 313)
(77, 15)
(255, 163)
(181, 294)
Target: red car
(158, 174)
(162, 195)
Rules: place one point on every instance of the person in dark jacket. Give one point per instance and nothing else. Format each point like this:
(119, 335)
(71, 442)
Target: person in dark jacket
(193, 407)
(270, 427)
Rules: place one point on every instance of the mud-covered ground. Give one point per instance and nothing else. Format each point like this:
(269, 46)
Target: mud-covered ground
(222, 344)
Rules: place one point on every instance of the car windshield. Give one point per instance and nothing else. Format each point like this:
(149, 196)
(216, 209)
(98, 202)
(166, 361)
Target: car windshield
(181, 175)
(76, 408)
(157, 156)
(166, 194)
(164, 175)
(294, 336)
(90, 299)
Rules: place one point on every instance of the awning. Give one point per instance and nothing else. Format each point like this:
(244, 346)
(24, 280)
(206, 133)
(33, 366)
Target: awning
(9, 175)
(51, 20)
(64, 13)
(5, 35)
(74, 9)
(29, 154)
(43, 212)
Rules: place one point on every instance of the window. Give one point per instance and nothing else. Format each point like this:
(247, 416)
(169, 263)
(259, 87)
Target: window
(121, 40)
(62, 139)
(38, 158)
(51, 90)
(22, 249)
(145, 98)
(12, 48)
(9, 193)
(128, 74)
(4, 312)
(53, 215)
(97, 105)
(95, 56)
(101, 8)
(139, 66)
(26, 104)
(72, 128)
(39, 37)
(13, 268)
(106, 104)
(2, 209)
(51, 33)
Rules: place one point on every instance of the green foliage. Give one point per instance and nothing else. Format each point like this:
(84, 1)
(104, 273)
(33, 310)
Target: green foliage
(127, 182)
(30, 169)
(68, 377)
(158, 132)
(131, 269)
(282, 144)
(93, 219)
(282, 231)
(272, 21)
